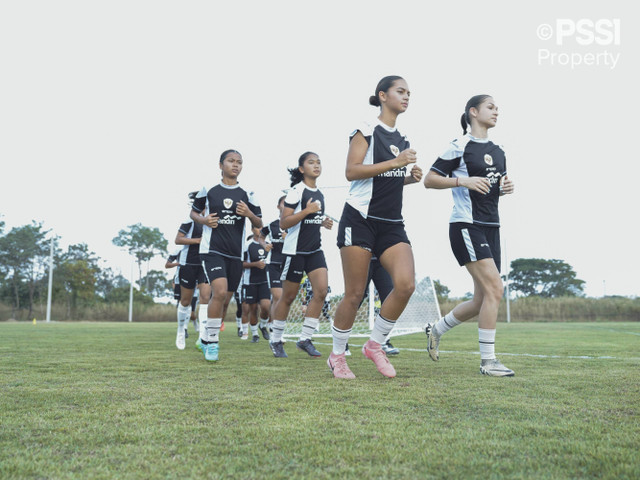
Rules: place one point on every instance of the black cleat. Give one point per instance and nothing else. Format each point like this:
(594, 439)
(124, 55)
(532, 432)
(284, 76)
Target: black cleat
(239, 331)
(255, 339)
(278, 350)
(307, 346)
(390, 349)
(265, 333)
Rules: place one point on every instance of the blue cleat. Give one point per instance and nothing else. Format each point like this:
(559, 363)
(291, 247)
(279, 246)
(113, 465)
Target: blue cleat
(199, 344)
(210, 352)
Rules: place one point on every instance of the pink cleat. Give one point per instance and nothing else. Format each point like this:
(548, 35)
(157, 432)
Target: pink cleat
(373, 351)
(339, 367)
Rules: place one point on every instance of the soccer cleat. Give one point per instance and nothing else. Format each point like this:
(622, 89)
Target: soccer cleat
(265, 333)
(307, 346)
(255, 339)
(433, 341)
(339, 367)
(240, 331)
(186, 334)
(245, 336)
(373, 351)
(278, 350)
(199, 344)
(494, 368)
(211, 352)
(180, 343)
(390, 349)
(196, 325)
(347, 352)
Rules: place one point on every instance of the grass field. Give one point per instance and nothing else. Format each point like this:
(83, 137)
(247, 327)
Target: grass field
(114, 400)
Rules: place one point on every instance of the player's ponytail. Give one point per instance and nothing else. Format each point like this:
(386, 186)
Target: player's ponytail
(296, 175)
(383, 86)
(474, 102)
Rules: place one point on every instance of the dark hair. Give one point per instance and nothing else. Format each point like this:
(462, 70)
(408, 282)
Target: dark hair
(296, 175)
(281, 199)
(474, 102)
(227, 152)
(383, 86)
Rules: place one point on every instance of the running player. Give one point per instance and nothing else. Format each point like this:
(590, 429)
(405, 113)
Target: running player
(222, 210)
(275, 236)
(191, 273)
(302, 217)
(256, 287)
(372, 224)
(476, 171)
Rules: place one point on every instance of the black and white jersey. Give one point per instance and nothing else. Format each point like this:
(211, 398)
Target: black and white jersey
(190, 255)
(380, 197)
(227, 238)
(474, 157)
(274, 233)
(173, 256)
(254, 275)
(304, 237)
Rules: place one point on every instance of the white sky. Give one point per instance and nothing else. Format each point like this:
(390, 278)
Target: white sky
(110, 112)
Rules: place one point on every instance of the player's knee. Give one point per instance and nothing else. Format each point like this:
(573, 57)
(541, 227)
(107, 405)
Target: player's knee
(405, 288)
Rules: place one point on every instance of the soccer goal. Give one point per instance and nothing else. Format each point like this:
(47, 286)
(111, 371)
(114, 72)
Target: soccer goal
(422, 308)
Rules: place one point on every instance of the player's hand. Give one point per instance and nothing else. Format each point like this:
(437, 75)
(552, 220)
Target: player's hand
(415, 175)
(268, 247)
(477, 184)
(260, 264)
(327, 223)
(313, 206)
(406, 157)
(506, 186)
(242, 209)
(211, 220)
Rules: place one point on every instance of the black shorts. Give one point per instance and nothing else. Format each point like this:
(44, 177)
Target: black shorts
(471, 242)
(216, 266)
(255, 293)
(295, 266)
(274, 271)
(372, 235)
(191, 275)
(176, 291)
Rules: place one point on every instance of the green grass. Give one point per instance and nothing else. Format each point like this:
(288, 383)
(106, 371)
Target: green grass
(114, 400)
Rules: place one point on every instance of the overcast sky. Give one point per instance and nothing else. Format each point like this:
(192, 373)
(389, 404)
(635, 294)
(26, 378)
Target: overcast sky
(111, 112)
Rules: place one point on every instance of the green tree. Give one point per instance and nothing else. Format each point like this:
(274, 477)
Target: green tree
(143, 243)
(546, 278)
(157, 284)
(76, 273)
(107, 280)
(24, 255)
(442, 291)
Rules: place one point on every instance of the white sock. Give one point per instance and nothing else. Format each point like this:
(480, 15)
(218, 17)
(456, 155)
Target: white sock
(254, 330)
(446, 323)
(278, 330)
(340, 340)
(308, 327)
(183, 316)
(213, 329)
(487, 341)
(245, 329)
(263, 322)
(381, 328)
(239, 322)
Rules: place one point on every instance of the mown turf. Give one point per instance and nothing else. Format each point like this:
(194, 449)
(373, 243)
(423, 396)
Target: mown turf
(118, 400)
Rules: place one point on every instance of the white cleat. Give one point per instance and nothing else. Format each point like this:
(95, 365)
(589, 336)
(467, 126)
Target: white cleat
(180, 340)
(494, 368)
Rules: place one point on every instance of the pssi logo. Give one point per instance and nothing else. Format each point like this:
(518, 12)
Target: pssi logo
(227, 202)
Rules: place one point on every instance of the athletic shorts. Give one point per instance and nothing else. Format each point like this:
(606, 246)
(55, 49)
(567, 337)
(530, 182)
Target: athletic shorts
(471, 242)
(255, 293)
(191, 275)
(372, 235)
(274, 270)
(295, 266)
(176, 291)
(216, 266)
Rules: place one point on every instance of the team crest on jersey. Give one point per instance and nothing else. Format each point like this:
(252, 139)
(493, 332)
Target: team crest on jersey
(395, 150)
(227, 202)
(488, 159)
(261, 251)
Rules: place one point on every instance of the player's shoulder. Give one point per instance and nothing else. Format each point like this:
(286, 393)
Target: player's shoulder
(456, 148)
(365, 127)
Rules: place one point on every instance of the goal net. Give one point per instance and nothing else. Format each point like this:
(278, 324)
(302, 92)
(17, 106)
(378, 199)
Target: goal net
(422, 308)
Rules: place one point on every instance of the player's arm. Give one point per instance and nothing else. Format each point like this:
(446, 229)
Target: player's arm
(182, 239)
(439, 182)
(414, 176)
(356, 170)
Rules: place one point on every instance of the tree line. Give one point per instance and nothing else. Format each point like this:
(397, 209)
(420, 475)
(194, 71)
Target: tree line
(80, 277)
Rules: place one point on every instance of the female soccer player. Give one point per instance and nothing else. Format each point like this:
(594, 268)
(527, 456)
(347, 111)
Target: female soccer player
(475, 169)
(302, 217)
(256, 294)
(372, 224)
(222, 211)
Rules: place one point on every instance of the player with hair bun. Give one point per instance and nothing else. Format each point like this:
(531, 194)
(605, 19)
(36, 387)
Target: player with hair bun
(475, 169)
(372, 224)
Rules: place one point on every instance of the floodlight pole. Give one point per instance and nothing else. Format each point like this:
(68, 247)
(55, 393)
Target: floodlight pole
(50, 288)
